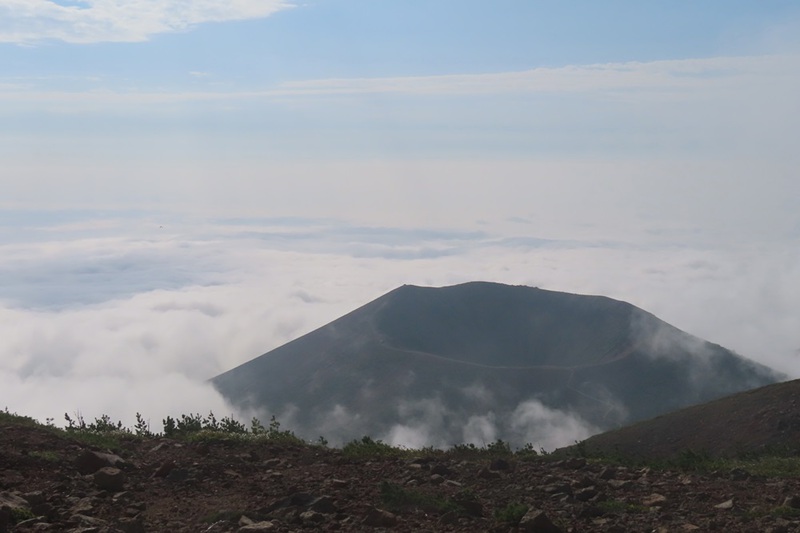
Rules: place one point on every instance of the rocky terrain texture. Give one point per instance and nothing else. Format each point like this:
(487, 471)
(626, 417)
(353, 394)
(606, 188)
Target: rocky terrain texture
(54, 481)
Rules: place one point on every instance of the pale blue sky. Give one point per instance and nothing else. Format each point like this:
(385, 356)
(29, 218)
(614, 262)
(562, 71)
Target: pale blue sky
(363, 38)
(279, 108)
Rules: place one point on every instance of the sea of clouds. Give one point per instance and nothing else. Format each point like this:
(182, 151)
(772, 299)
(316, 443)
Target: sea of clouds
(118, 314)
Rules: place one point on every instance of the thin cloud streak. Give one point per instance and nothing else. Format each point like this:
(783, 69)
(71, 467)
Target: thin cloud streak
(672, 80)
(673, 75)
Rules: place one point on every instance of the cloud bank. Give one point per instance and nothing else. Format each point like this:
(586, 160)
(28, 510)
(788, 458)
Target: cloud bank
(115, 317)
(93, 21)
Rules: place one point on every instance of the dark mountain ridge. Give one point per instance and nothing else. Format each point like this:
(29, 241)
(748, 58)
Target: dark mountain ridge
(759, 421)
(481, 361)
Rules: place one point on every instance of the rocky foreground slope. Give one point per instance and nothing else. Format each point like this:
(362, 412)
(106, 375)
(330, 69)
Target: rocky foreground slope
(54, 481)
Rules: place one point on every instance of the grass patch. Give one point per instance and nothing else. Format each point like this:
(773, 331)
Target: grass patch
(784, 511)
(367, 448)
(511, 514)
(619, 507)
(780, 463)
(19, 515)
(493, 450)
(396, 498)
(45, 455)
(7, 417)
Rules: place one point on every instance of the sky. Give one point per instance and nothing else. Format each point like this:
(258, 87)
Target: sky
(186, 185)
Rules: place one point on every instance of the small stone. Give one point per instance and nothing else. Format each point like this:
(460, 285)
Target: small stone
(486, 473)
(574, 463)
(536, 521)
(324, 505)
(86, 521)
(654, 500)
(177, 475)
(312, 517)
(110, 479)
(441, 470)
(792, 501)
(380, 518)
(34, 497)
(607, 473)
(584, 495)
(89, 462)
(620, 484)
(725, 505)
(259, 526)
(13, 501)
(164, 469)
(131, 525)
(500, 464)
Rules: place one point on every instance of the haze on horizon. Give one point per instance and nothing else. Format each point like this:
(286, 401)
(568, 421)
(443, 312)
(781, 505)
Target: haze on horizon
(187, 186)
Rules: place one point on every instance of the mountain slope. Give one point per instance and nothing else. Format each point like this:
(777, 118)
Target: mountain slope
(766, 419)
(480, 361)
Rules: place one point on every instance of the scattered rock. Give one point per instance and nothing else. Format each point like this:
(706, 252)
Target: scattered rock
(164, 468)
(607, 473)
(728, 504)
(312, 517)
(584, 495)
(500, 464)
(110, 479)
(654, 500)
(792, 501)
(574, 463)
(380, 518)
(323, 504)
(486, 473)
(259, 526)
(536, 521)
(89, 462)
(441, 470)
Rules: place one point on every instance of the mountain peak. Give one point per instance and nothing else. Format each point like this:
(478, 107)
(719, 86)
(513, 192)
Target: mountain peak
(484, 360)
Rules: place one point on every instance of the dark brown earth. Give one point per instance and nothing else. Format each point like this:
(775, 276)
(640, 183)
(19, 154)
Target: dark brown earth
(247, 485)
(762, 420)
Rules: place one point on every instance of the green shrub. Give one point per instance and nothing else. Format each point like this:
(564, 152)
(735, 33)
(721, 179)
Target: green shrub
(367, 447)
(397, 498)
(511, 514)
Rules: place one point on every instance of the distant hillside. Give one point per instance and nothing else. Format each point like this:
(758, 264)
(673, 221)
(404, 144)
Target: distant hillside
(481, 361)
(766, 419)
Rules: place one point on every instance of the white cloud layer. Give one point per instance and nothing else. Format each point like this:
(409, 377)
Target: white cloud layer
(98, 318)
(92, 21)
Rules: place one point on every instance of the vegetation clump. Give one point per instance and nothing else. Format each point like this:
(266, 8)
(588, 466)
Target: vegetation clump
(368, 447)
(511, 514)
(396, 498)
